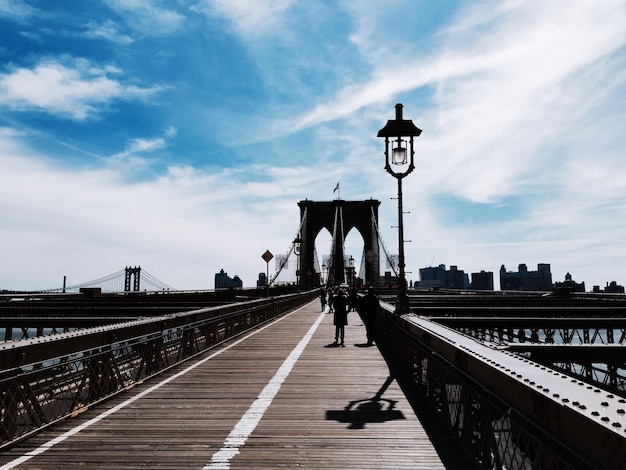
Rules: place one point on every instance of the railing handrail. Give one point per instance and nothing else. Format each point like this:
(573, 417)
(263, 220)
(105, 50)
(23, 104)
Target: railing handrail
(47, 379)
(438, 361)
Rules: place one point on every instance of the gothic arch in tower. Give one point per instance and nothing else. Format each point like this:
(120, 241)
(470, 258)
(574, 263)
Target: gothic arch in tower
(338, 217)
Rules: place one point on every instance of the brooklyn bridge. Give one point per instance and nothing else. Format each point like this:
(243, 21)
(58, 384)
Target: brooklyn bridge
(127, 372)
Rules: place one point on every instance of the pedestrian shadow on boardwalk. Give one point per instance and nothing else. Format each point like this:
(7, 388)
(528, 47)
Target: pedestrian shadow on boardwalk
(358, 413)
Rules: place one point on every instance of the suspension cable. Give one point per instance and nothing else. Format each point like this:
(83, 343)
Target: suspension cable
(286, 258)
(380, 238)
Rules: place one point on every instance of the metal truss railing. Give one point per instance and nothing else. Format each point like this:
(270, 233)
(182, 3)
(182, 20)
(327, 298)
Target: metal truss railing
(541, 330)
(591, 349)
(491, 431)
(45, 380)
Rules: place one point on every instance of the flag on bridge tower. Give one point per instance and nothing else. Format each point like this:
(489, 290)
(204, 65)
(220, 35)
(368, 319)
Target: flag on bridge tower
(336, 188)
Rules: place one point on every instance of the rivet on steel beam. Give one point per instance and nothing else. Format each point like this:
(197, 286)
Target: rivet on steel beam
(595, 413)
(617, 425)
(605, 418)
(604, 403)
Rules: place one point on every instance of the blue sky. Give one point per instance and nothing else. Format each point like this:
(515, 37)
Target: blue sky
(179, 135)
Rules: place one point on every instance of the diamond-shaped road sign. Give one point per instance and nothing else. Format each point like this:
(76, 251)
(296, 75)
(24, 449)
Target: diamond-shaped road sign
(267, 256)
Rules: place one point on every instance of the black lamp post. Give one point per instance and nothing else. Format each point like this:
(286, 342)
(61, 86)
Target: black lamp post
(297, 246)
(395, 130)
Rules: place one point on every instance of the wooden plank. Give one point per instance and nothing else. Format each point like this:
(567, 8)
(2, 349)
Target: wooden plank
(336, 409)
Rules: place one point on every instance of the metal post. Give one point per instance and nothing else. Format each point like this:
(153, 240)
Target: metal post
(403, 304)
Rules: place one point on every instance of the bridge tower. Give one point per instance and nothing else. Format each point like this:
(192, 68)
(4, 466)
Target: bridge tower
(135, 273)
(338, 217)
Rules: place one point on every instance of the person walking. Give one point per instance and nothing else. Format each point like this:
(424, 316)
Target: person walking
(353, 299)
(340, 318)
(330, 295)
(323, 298)
(368, 307)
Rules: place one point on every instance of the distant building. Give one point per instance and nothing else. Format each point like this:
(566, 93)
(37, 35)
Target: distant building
(435, 277)
(388, 280)
(612, 288)
(525, 280)
(482, 280)
(432, 277)
(455, 278)
(262, 281)
(223, 281)
(569, 284)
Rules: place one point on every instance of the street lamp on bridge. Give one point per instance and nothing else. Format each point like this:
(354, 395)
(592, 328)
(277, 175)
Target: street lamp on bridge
(297, 247)
(393, 132)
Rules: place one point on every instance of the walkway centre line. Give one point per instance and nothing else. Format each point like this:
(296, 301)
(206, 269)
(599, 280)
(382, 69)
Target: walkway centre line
(248, 422)
(57, 440)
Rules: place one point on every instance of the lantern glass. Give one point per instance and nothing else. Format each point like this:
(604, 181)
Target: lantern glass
(398, 155)
(297, 246)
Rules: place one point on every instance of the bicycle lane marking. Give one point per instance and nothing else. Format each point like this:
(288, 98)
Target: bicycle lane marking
(249, 421)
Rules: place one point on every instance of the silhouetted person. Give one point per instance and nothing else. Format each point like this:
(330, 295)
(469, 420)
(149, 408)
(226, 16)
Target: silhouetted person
(353, 299)
(323, 298)
(368, 307)
(330, 296)
(340, 318)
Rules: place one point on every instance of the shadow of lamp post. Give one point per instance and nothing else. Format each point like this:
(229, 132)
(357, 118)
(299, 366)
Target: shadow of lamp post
(393, 132)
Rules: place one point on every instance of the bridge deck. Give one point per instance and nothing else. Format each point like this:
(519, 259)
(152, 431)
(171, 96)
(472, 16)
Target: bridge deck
(242, 406)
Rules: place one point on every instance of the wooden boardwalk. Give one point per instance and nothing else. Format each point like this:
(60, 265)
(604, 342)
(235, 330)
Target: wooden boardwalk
(282, 397)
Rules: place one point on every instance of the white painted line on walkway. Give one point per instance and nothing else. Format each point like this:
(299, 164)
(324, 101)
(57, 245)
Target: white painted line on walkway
(51, 443)
(248, 422)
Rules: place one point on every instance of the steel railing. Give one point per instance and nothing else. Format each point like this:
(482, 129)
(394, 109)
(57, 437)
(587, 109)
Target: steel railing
(490, 429)
(45, 380)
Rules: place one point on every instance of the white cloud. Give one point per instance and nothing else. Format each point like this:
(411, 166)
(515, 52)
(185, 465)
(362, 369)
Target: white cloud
(183, 226)
(518, 100)
(148, 17)
(249, 19)
(502, 92)
(107, 30)
(16, 9)
(75, 91)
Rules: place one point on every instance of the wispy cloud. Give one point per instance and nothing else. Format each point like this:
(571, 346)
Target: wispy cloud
(107, 30)
(76, 90)
(248, 19)
(148, 17)
(267, 103)
(16, 9)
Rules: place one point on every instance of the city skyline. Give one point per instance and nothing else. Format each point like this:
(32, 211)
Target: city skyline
(180, 135)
